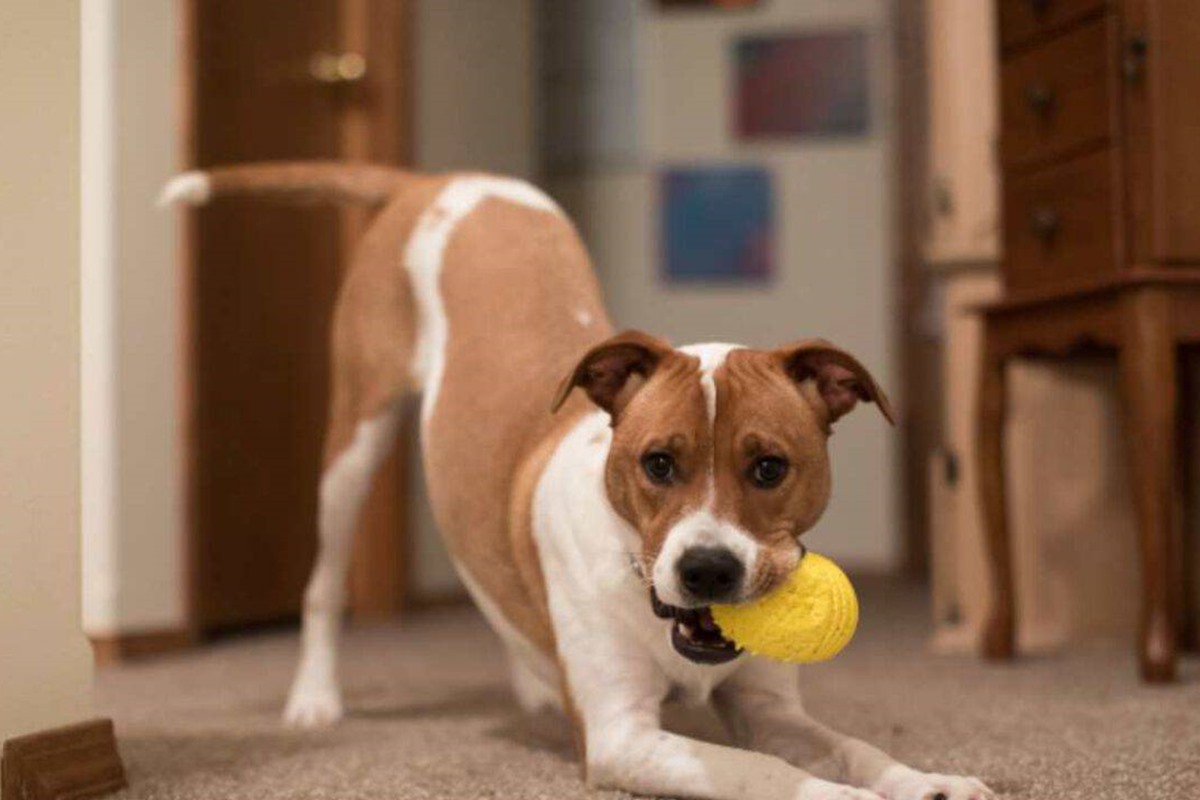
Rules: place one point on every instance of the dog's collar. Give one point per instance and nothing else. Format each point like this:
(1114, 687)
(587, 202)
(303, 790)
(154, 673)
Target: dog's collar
(635, 564)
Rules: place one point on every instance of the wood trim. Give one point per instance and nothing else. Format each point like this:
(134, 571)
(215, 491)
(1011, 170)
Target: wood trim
(919, 383)
(67, 763)
(1148, 276)
(1028, 36)
(123, 647)
(1184, 578)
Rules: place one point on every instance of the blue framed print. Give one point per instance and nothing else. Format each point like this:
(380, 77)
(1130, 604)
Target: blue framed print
(717, 224)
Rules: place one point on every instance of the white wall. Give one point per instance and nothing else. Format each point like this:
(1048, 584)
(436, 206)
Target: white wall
(132, 481)
(45, 663)
(834, 221)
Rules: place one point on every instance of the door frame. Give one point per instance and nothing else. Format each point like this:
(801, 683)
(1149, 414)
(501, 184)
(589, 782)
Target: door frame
(921, 423)
(377, 126)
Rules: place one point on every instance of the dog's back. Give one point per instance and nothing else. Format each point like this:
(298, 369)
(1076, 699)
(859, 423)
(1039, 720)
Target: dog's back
(506, 301)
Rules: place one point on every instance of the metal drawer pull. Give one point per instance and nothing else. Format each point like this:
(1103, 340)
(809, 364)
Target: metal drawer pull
(1045, 223)
(1041, 98)
(1135, 57)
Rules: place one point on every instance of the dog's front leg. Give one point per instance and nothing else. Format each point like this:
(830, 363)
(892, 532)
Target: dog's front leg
(761, 706)
(617, 702)
(635, 754)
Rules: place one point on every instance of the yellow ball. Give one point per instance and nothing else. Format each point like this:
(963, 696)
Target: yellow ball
(811, 617)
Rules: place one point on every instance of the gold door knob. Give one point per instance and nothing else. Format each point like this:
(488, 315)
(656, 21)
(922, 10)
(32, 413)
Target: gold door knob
(337, 68)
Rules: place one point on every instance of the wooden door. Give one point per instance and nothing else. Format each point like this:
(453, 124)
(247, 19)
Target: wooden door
(261, 287)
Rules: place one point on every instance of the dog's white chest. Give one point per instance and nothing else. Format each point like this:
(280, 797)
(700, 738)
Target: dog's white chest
(600, 606)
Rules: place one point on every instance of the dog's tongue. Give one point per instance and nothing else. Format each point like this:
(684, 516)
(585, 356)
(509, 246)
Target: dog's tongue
(706, 621)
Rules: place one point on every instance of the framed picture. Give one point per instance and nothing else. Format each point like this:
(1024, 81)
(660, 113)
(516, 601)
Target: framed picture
(802, 84)
(717, 224)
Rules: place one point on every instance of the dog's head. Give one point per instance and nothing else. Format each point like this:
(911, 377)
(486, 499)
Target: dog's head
(719, 461)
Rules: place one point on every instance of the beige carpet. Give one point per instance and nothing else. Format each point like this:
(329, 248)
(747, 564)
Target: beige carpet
(431, 717)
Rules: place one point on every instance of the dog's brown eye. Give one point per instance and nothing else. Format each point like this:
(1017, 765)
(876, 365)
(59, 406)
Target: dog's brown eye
(768, 472)
(659, 466)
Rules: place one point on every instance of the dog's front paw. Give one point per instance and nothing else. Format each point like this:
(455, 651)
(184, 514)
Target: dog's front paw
(312, 706)
(902, 783)
(817, 789)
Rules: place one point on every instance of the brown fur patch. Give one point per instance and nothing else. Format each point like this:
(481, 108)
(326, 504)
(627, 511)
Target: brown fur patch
(668, 414)
(514, 282)
(762, 412)
(374, 321)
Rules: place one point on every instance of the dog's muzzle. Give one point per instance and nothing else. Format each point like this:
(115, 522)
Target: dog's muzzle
(694, 634)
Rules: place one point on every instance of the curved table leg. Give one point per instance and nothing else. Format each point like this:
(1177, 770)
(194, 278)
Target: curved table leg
(1185, 504)
(1149, 390)
(999, 634)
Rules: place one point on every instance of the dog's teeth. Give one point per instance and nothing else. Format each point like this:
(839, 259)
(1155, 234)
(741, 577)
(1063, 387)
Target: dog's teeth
(687, 631)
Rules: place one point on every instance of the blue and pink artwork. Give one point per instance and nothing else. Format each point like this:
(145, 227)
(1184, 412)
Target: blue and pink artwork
(809, 84)
(717, 224)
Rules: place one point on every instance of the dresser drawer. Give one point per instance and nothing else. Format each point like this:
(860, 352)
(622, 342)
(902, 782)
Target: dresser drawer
(1056, 99)
(1060, 224)
(1024, 20)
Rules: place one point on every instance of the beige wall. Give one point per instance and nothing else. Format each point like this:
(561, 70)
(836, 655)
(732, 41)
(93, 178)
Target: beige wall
(45, 665)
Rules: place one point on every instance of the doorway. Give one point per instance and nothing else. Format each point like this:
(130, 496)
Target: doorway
(332, 80)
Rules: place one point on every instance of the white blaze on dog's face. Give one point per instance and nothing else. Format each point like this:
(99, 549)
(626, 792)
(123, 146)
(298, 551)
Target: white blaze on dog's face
(719, 457)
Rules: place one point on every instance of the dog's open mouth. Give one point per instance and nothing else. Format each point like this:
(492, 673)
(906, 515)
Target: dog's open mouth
(695, 635)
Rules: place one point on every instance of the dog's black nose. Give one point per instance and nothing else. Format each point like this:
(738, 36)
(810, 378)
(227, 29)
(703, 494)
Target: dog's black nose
(710, 573)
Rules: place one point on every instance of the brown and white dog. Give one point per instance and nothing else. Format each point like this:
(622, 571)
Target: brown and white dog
(593, 538)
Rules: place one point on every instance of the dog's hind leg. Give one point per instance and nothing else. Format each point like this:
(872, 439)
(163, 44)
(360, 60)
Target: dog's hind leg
(315, 698)
(372, 344)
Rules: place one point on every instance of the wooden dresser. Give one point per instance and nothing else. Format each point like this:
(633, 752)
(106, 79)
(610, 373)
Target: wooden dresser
(1100, 139)
(1100, 167)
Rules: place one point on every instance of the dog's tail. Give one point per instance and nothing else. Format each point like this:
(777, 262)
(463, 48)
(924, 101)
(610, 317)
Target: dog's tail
(291, 181)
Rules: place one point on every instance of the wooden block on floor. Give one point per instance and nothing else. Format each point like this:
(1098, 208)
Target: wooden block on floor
(70, 763)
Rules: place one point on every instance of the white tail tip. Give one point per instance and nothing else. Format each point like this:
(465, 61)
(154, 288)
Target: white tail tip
(189, 187)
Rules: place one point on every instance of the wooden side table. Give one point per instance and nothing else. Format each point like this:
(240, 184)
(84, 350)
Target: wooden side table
(1101, 196)
(1147, 317)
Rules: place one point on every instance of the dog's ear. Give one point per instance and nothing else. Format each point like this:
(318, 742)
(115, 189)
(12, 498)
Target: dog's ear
(838, 377)
(613, 371)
